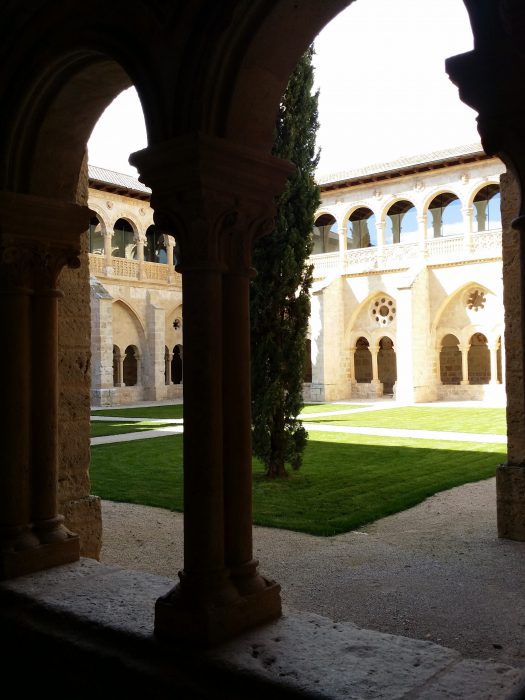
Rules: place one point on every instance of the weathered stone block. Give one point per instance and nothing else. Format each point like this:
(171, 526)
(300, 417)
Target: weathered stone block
(510, 490)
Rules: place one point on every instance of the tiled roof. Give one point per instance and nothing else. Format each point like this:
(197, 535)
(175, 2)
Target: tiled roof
(401, 163)
(110, 177)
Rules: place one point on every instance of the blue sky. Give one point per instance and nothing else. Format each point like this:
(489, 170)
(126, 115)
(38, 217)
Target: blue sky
(384, 92)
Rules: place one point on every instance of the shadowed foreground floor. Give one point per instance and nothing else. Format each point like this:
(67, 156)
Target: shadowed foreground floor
(437, 571)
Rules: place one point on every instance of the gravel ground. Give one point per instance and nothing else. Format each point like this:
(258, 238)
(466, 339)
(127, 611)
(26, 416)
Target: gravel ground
(436, 571)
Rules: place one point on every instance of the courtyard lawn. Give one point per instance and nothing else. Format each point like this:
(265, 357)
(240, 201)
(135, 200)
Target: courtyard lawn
(461, 420)
(346, 480)
(170, 411)
(102, 428)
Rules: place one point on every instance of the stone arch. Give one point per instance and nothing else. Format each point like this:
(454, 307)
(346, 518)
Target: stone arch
(325, 234)
(177, 365)
(450, 363)
(362, 361)
(478, 359)
(401, 224)
(155, 246)
(386, 364)
(96, 236)
(444, 215)
(174, 330)
(130, 366)
(117, 358)
(360, 227)
(441, 313)
(486, 204)
(124, 239)
(127, 326)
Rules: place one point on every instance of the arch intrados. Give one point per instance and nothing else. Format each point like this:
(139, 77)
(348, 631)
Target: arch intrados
(443, 199)
(132, 225)
(401, 206)
(451, 297)
(492, 186)
(325, 219)
(131, 311)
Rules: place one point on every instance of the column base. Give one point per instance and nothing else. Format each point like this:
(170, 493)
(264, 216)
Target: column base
(180, 617)
(510, 495)
(14, 563)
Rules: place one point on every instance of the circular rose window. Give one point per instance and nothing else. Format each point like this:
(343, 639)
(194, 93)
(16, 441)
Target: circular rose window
(383, 311)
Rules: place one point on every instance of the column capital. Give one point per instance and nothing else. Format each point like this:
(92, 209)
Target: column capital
(38, 237)
(214, 195)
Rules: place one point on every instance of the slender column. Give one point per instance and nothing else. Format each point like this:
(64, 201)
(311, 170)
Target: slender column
(168, 368)
(108, 239)
(351, 369)
(375, 370)
(138, 358)
(212, 193)
(464, 363)
(467, 224)
(170, 246)
(120, 373)
(380, 228)
(422, 233)
(493, 349)
(140, 256)
(438, 366)
(15, 506)
(38, 237)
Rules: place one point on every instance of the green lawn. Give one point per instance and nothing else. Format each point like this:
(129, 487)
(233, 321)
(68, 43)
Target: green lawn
(171, 411)
(99, 429)
(345, 481)
(461, 420)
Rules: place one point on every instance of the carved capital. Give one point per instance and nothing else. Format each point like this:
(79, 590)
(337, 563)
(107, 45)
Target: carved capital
(214, 196)
(38, 237)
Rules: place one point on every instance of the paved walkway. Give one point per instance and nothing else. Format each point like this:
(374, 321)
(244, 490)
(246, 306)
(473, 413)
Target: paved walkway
(174, 426)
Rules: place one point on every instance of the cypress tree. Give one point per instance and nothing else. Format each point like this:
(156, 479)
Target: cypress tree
(280, 302)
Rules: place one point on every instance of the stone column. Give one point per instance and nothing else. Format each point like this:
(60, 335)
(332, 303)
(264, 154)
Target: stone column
(168, 368)
(215, 196)
(493, 349)
(467, 223)
(374, 350)
(351, 368)
(138, 358)
(380, 228)
(108, 238)
(422, 233)
(140, 255)
(464, 363)
(39, 237)
(170, 246)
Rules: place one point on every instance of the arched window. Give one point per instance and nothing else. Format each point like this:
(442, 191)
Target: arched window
(307, 378)
(363, 361)
(117, 379)
(450, 360)
(325, 235)
(401, 223)
(487, 209)
(478, 360)
(361, 229)
(155, 249)
(96, 236)
(176, 365)
(386, 365)
(444, 216)
(123, 244)
(129, 366)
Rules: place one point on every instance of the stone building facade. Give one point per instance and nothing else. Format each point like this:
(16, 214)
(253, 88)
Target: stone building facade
(407, 264)
(136, 296)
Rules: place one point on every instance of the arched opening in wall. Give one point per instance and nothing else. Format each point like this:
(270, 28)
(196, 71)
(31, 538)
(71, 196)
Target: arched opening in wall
(325, 235)
(450, 360)
(176, 365)
(386, 365)
(117, 367)
(363, 361)
(401, 223)
(307, 378)
(96, 236)
(487, 208)
(444, 217)
(361, 229)
(478, 360)
(130, 366)
(123, 241)
(155, 248)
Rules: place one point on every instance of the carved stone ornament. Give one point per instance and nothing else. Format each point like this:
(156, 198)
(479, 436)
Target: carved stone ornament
(476, 300)
(383, 310)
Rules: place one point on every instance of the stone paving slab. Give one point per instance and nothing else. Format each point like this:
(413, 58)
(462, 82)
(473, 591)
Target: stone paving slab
(301, 652)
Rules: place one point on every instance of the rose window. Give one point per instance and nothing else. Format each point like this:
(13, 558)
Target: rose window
(383, 311)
